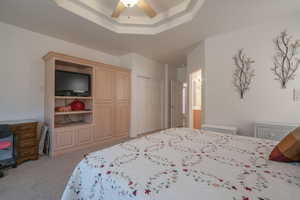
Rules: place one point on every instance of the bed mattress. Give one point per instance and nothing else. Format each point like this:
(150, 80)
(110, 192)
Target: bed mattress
(179, 164)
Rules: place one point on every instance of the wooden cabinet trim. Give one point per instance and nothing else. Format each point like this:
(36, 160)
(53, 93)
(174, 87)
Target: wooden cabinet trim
(73, 59)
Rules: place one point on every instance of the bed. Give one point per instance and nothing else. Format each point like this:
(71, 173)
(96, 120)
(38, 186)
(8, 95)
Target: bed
(179, 164)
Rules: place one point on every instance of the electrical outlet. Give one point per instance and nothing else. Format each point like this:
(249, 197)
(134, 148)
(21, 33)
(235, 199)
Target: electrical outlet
(297, 95)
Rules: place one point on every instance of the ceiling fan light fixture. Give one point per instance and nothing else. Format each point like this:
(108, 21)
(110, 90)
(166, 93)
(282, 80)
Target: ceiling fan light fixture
(129, 3)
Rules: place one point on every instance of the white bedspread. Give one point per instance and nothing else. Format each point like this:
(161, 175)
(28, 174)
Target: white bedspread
(185, 164)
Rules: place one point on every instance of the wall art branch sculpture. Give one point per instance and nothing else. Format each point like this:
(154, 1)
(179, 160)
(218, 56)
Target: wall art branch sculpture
(243, 74)
(285, 61)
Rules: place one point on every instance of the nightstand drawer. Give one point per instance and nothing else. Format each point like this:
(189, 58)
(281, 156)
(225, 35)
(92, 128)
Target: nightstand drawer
(24, 152)
(24, 127)
(27, 143)
(27, 134)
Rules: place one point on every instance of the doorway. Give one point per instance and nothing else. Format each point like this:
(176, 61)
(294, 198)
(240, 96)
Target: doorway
(195, 103)
(178, 104)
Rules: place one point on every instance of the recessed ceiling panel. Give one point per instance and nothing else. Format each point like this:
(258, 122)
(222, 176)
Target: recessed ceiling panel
(170, 13)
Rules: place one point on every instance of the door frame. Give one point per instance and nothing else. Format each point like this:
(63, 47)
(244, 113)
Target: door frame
(177, 86)
(191, 97)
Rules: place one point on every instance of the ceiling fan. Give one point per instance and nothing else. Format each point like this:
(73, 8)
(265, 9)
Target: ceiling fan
(142, 4)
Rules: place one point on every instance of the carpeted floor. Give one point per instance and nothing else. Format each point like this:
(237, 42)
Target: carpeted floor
(44, 179)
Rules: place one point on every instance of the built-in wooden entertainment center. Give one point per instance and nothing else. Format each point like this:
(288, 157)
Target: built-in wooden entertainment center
(106, 117)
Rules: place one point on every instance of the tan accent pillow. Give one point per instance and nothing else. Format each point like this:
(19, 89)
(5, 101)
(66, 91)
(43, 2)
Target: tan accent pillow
(288, 149)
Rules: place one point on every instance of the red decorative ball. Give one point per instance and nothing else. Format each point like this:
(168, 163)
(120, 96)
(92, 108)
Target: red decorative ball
(77, 105)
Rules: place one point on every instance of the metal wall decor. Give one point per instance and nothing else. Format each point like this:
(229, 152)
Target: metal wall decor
(285, 61)
(243, 74)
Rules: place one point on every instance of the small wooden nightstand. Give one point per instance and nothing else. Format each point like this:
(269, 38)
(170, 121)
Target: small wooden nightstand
(26, 139)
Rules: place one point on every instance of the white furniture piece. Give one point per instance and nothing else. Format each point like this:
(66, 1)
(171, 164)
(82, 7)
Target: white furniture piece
(221, 129)
(273, 130)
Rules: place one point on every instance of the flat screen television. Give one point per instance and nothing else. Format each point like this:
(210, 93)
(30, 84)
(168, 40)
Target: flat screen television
(72, 84)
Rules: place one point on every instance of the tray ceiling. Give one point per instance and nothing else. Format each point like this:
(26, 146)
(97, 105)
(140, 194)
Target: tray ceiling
(171, 13)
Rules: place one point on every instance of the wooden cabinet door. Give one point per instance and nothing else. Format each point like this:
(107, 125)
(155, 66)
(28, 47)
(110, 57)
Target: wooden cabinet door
(122, 119)
(104, 85)
(84, 135)
(64, 139)
(104, 119)
(123, 86)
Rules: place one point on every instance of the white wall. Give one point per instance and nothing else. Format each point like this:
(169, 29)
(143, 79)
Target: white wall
(181, 74)
(196, 58)
(265, 101)
(148, 68)
(22, 70)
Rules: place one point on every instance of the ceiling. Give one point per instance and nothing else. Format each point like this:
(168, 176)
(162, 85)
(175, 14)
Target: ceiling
(158, 5)
(133, 20)
(170, 46)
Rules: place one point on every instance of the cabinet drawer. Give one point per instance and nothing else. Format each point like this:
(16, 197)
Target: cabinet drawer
(27, 143)
(26, 134)
(23, 127)
(26, 152)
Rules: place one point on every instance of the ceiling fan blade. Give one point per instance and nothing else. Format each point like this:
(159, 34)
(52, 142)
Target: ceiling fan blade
(147, 8)
(120, 7)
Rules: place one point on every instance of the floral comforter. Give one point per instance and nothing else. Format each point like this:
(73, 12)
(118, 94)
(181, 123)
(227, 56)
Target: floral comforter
(179, 164)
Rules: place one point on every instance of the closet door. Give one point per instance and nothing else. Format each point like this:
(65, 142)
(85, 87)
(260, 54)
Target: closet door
(122, 119)
(150, 107)
(104, 85)
(104, 119)
(123, 86)
(122, 104)
(104, 103)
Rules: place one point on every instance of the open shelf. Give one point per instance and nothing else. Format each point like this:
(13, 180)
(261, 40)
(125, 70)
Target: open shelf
(74, 97)
(74, 112)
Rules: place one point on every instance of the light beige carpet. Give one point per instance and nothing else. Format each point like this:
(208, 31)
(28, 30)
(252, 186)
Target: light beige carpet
(44, 179)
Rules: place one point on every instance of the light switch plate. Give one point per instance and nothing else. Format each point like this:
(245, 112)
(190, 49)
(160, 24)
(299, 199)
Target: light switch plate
(297, 95)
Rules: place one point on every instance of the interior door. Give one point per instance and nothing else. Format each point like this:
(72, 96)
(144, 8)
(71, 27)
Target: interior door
(176, 105)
